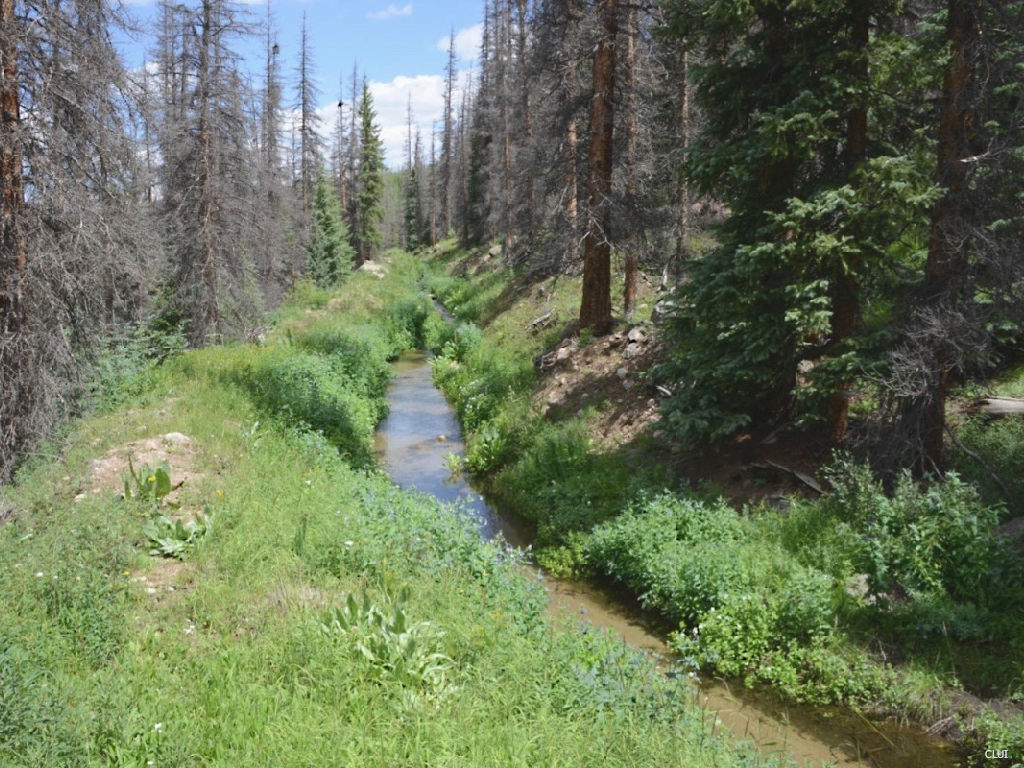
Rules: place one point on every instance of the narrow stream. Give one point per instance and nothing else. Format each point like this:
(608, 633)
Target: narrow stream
(412, 444)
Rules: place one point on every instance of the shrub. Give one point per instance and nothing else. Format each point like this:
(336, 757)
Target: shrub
(308, 390)
(361, 354)
(939, 540)
(561, 484)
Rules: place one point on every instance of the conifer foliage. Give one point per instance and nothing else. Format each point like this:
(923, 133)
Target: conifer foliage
(330, 254)
(369, 209)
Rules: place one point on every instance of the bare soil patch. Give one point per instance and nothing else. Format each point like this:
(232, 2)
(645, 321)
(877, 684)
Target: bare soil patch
(175, 451)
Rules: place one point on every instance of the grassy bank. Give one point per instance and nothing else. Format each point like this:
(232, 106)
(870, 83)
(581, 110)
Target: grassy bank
(248, 650)
(907, 603)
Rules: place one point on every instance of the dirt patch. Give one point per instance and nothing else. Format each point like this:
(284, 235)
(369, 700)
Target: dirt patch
(612, 375)
(173, 450)
(165, 580)
(609, 374)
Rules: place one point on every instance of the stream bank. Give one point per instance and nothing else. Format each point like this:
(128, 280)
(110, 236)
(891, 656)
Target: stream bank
(413, 444)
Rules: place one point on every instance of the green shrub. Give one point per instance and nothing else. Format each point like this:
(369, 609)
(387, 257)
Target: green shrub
(681, 556)
(360, 353)
(461, 340)
(309, 390)
(560, 483)
(936, 541)
(480, 385)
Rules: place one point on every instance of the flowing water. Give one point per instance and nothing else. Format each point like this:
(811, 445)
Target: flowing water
(413, 444)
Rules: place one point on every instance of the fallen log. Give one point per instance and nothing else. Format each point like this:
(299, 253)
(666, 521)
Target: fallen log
(999, 406)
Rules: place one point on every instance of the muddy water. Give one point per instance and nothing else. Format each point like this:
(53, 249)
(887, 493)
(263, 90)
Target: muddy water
(412, 444)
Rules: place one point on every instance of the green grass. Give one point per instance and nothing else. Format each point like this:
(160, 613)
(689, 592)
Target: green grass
(111, 657)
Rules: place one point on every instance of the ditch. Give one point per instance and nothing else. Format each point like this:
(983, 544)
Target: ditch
(421, 439)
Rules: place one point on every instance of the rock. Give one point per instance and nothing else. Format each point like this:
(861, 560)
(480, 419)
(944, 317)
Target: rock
(495, 250)
(628, 383)
(553, 398)
(562, 354)
(637, 335)
(622, 373)
(631, 350)
(664, 308)
(176, 438)
(442, 438)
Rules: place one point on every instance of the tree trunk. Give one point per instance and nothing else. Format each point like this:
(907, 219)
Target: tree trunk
(13, 315)
(447, 143)
(682, 252)
(210, 311)
(571, 147)
(947, 260)
(596, 304)
(845, 288)
(632, 259)
(527, 137)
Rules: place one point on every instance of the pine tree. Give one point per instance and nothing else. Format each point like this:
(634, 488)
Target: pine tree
(784, 148)
(310, 143)
(367, 236)
(411, 215)
(596, 303)
(329, 254)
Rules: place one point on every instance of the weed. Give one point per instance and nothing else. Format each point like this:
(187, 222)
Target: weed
(175, 538)
(400, 650)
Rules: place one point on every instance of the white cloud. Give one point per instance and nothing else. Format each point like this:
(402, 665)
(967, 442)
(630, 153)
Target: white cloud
(467, 43)
(390, 12)
(390, 100)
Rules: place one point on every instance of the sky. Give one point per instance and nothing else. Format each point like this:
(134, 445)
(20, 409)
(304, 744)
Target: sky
(400, 45)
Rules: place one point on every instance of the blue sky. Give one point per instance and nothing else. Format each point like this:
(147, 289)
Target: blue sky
(401, 46)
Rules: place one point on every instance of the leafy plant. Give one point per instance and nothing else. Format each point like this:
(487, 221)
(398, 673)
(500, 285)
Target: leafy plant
(175, 538)
(399, 649)
(148, 484)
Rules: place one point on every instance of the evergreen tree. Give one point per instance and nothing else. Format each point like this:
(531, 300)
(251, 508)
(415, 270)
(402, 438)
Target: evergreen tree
(812, 211)
(367, 236)
(330, 254)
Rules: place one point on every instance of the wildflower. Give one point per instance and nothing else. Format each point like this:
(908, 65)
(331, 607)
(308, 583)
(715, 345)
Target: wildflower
(349, 543)
(39, 574)
(158, 727)
(220, 494)
(151, 479)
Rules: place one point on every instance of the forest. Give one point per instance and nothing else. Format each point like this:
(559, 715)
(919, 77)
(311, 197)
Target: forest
(737, 330)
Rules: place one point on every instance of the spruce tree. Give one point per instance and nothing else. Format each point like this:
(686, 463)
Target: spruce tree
(367, 237)
(815, 207)
(330, 254)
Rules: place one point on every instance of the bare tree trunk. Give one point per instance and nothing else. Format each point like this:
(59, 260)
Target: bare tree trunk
(504, 54)
(447, 138)
(632, 259)
(947, 261)
(571, 148)
(527, 137)
(845, 288)
(210, 310)
(596, 303)
(682, 252)
(14, 391)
